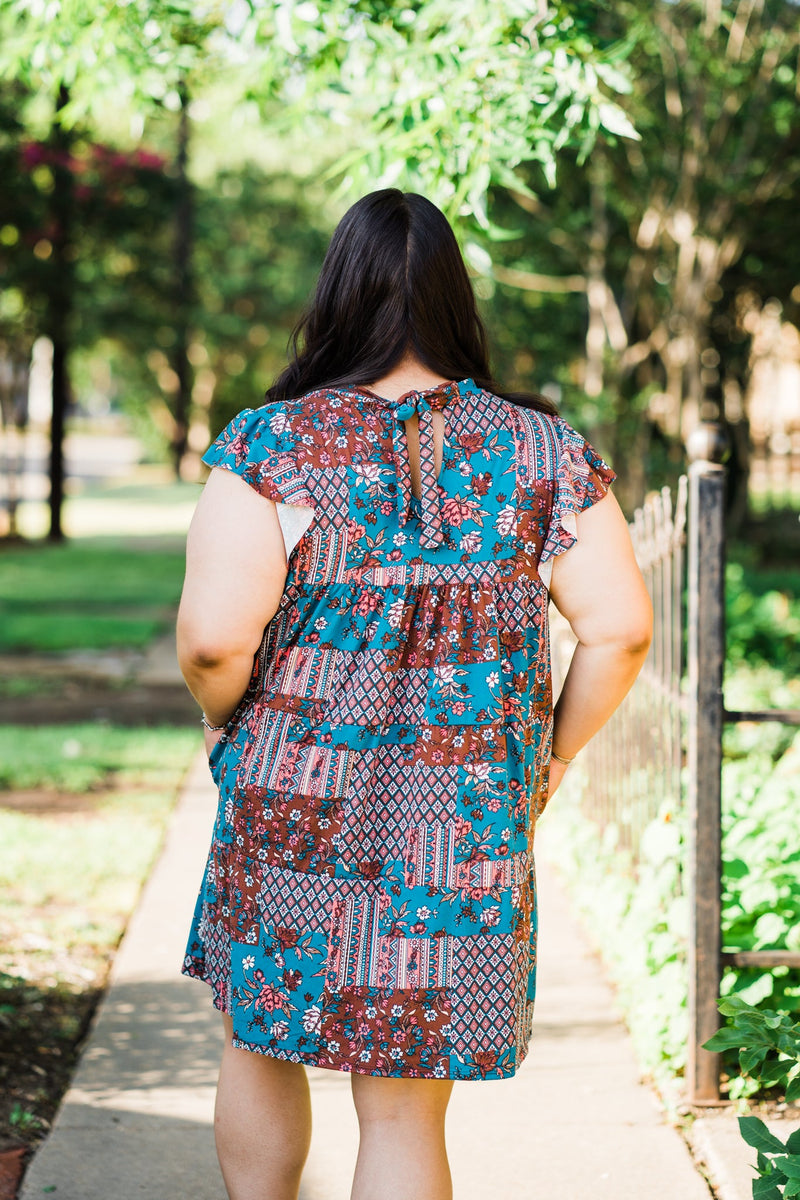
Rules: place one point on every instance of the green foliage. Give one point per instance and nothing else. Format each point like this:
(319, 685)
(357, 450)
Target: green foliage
(767, 1042)
(763, 617)
(457, 95)
(86, 594)
(768, 1047)
(142, 50)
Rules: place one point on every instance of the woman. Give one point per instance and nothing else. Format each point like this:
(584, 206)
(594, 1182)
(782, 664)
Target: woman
(364, 623)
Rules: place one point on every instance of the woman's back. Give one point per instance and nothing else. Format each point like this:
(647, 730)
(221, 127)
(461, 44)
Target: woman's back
(386, 766)
(378, 709)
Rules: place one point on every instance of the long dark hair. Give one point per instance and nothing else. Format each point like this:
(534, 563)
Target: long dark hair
(393, 281)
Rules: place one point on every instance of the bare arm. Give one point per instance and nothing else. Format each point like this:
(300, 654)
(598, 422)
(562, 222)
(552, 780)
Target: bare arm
(598, 587)
(235, 573)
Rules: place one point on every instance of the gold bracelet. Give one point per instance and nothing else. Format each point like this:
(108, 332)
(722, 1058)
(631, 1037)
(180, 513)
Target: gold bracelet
(564, 761)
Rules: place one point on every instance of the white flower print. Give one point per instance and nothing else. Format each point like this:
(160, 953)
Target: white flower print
(480, 769)
(394, 613)
(295, 814)
(278, 421)
(395, 1053)
(320, 624)
(488, 651)
(311, 1018)
(248, 963)
(506, 520)
(470, 543)
(492, 679)
(423, 913)
(370, 472)
(505, 835)
(400, 539)
(397, 1010)
(465, 468)
(491, 916)
(279, 1030)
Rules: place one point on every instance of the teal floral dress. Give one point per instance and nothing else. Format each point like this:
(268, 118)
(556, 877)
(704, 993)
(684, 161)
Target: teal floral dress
(369, 899)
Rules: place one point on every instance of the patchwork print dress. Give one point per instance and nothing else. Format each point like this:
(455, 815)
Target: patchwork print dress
(369, 900)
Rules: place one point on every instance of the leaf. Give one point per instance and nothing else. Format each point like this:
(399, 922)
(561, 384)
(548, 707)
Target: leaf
(750, 1059)
(756, 1134)
(765, 1189)
(793, 1142)
(724, 1039)
(615, 120)
(792, 1188)
(793, 1090)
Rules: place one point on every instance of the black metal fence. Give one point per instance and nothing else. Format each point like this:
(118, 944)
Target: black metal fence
(664, 743)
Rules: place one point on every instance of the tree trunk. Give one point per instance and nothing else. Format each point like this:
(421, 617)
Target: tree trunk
(183, 287)
(59, 305)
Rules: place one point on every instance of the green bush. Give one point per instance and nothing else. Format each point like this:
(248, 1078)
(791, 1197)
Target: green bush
(768, 1048)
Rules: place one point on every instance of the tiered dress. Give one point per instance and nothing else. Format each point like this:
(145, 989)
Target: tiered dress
(369, 900)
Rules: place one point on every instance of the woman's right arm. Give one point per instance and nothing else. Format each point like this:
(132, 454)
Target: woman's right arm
(598, 587)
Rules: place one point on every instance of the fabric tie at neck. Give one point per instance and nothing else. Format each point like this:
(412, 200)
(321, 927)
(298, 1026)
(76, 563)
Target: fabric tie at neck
(422, 404)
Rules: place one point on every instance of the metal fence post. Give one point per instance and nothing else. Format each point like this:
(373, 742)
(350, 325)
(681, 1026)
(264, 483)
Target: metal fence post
(705, 659)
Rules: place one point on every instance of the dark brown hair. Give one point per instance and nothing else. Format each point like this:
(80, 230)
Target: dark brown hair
(393, 281)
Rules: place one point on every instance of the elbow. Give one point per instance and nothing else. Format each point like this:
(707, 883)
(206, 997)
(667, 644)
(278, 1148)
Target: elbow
(201, 652)
(628, 633)
(639, 633)
(201, 657)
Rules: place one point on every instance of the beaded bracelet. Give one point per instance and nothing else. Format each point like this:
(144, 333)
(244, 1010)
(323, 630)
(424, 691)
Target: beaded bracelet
(211, 728)
(564, 761)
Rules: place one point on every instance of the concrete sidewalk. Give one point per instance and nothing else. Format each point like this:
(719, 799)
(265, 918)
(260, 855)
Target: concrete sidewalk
(574, 1123)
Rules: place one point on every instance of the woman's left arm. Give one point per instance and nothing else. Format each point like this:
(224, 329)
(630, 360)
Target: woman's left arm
(235, 574)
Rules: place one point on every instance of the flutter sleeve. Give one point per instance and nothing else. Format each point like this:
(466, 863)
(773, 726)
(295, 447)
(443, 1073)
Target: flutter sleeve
(582, 478)
(258, 446)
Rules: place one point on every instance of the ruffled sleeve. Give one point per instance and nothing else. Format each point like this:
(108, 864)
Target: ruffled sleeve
(582, 478)
(258, 445)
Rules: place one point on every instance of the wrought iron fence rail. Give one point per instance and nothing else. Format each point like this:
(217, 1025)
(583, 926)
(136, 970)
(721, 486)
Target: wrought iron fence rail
(782, 716)
(761, 958)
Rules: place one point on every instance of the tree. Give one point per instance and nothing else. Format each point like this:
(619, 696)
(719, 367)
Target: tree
(457, 95)
(649, 237)
(80, 55)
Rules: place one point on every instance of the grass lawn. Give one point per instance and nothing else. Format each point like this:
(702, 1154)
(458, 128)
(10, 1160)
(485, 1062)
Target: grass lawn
(83, 810)
(92, 593)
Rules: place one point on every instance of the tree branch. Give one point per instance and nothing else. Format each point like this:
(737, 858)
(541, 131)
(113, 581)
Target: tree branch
(529, 281)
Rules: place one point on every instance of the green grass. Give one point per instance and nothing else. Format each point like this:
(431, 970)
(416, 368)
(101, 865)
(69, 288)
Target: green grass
(87, 756)
(92, 593)
(69, 880)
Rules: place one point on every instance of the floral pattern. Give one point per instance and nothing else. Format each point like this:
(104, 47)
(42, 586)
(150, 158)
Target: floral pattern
(369, 900)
